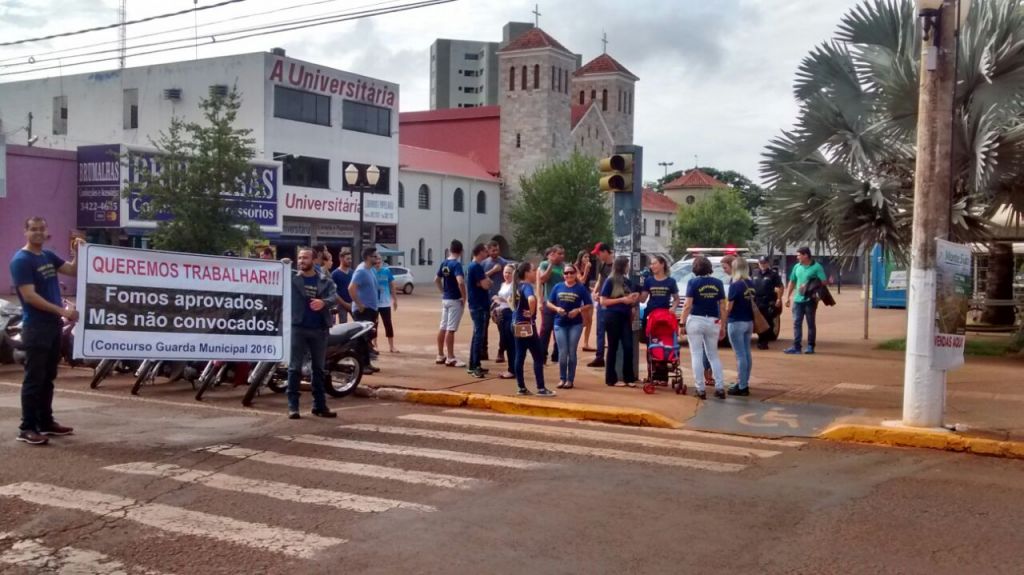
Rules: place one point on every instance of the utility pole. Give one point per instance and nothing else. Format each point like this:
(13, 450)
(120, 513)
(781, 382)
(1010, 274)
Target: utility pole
(666, 165)
(122, 32)
(924, 388)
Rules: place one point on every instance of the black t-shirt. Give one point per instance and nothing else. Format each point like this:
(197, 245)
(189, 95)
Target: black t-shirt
(604, 271)
(765, 284)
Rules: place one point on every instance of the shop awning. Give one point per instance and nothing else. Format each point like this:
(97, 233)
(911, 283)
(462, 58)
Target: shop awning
(387, 250)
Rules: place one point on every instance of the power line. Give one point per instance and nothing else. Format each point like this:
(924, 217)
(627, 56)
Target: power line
(109, 26)
(255, 31)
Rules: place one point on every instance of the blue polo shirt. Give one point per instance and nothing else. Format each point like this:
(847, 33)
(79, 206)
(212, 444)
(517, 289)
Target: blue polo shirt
(661, 292)
(606, 291)
(40, 271)
(449, 272)
(706, 292)
(341, 281)
(478, 297)
(740, 294)
(523, 303)
(569, 298)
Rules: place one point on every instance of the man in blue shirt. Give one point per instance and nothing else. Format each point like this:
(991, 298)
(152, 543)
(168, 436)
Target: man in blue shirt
(451, 282)
(494, 265)
(313, 299)
(342, 277)
(479, 304)
(363, 289)
(34, 273)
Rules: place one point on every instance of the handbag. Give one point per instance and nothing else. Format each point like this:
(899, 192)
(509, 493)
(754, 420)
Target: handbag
(761, 324)
(523, 329)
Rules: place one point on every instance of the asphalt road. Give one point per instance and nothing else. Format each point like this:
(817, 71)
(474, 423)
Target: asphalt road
(173, 486)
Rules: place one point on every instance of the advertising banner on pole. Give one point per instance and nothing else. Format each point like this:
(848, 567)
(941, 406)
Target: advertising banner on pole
(952, 296)
(144, 304)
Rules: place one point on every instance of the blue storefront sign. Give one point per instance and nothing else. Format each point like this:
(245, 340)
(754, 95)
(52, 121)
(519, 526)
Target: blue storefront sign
(99, 186)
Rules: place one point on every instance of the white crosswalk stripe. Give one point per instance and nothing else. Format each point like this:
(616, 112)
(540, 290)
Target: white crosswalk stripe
(272, 489)
(363, 469)
(552, 447)
(563, 433)
(174, 519)
(66, 560)
(646, 430)
(409, 451)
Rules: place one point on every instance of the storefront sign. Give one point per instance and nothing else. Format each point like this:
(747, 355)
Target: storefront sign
(142, 304)
(386, 235)
(339, 230)
(99, 186)
(338, 206)
(311, 78)
(952, 295)
(258, 202)
(292, 228)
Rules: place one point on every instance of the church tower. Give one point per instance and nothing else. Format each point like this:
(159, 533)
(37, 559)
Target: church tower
(534, 94)
(611, 87)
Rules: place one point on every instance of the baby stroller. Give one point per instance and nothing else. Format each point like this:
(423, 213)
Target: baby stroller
(663, 352)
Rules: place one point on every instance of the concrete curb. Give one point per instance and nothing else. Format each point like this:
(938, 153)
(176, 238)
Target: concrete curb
(923, 439)
(524, 406)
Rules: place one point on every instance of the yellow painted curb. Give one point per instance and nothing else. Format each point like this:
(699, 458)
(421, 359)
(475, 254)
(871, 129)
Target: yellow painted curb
(924, 439)
(534, 407)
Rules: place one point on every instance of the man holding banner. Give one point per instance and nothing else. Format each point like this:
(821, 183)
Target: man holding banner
(34, 271)
(314, 298)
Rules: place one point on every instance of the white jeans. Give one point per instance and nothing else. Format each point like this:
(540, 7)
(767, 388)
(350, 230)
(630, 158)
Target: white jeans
(702, 333)
(451, 314)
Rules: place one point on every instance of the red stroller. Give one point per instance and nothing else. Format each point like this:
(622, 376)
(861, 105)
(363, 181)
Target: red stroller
(663, 352)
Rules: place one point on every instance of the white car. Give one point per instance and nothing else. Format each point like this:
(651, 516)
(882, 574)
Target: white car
(404, 282)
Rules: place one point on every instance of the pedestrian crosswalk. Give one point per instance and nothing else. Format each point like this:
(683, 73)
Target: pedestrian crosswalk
(228, 492)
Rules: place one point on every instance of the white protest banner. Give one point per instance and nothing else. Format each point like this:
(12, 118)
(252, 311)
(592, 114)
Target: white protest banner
(952, 296)
(145, 304)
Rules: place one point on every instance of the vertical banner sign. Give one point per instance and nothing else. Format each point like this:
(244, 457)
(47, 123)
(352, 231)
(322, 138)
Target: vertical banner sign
(953, 292)
(99, 186)
(144, 304)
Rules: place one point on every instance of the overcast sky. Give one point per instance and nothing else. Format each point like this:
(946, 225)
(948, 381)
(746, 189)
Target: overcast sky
(715, 75)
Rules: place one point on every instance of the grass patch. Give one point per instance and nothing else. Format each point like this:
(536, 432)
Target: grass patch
(975, 347)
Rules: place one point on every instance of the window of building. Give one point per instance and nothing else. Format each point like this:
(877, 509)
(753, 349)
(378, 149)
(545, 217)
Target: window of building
(657, 228)
(291, 104)
(645, 226)
(412, 258)
(593, 95)
(690, 199)
(519, 140)
(604, 100)
(304, 171)
(536, 76)
(552, 77)
(401, 199)
(512, 79)
(131, 109)
(423, 252)
(629, 99)
(60, 116)
(424, 204)
(565, 81)
(481, 202)
(472, 56)
(366, 118)
(583, 97)
(522, 82)
(458, 201)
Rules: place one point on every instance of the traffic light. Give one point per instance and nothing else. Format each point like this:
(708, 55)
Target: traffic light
(617, 173)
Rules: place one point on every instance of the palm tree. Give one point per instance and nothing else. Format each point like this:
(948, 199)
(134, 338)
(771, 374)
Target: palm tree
(844, 175)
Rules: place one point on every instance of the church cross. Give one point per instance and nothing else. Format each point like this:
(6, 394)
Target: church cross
(536, 15)
(604, 42)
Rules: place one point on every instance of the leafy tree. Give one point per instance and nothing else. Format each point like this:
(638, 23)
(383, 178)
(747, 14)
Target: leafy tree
(720, 220)
(561, 204)
(202, 173)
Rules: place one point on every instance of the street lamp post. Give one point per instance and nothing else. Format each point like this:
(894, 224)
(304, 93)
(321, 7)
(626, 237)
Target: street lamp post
(924, 388)
(372, 176)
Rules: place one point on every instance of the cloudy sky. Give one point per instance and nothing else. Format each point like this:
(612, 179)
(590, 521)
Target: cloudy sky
(715, 75)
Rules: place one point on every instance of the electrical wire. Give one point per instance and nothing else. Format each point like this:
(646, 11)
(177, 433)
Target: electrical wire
(119, 24)
(249, 33)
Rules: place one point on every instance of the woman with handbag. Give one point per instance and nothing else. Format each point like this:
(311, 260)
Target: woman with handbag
(618, 300)
(501, 311)
(524, 304)
(740, 310)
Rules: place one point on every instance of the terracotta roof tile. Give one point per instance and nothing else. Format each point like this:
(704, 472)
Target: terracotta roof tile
(416, 159)
(604, 64)
(578, 111)
(655, 202)
(532, 39)
(694, 179)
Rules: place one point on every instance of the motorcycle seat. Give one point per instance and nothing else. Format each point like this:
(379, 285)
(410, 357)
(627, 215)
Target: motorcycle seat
(341, 333)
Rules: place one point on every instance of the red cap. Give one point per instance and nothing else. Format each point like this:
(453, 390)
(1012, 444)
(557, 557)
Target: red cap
(600, 247)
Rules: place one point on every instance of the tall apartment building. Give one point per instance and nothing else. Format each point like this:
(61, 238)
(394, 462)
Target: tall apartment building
(464, 73)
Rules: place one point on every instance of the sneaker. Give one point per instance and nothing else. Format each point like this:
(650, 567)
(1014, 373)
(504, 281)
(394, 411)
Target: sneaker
(737, 390)
(545, 392)
(792, 351)
(762, 346)
(439, 360)
(720, 393)
(57, 429)
(809, 350)
(294, 415)
(327, 413)
(479, 373)
(452, 362)
(523, 391)
(32, 438)
(596, 363)
(701, 395)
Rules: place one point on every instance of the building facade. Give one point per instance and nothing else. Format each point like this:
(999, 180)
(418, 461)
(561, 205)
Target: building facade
(464, 73)
(310, 122)
(693, 186)
(659, 215)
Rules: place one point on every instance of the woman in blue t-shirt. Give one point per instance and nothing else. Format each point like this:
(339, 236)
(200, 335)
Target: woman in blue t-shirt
(569, 300)
(524, 328)
(741, 326)
(618, 301)
(702, 324)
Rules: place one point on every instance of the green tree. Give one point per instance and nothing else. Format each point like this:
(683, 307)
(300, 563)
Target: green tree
(203, 173)
(720, 220)
(561, 204)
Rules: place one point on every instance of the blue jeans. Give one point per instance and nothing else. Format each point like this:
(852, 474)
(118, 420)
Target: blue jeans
(740, 333)
(545, 334)
(567, 338)
(620, 332)
(531, 345)
(802, 309)
(506, 345)
(476, 345)
(599, 318)
(313, 342)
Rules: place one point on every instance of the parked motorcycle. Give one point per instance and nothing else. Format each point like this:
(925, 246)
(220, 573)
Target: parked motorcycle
(150, 369)
(13, 337)
(106, 367)
(348, 355)
(10, 322)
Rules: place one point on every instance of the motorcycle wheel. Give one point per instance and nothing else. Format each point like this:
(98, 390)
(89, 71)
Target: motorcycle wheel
(206, 381)
(345, 376)
(277, 384)
(257, 379)
(144, 373)
(101, 372)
